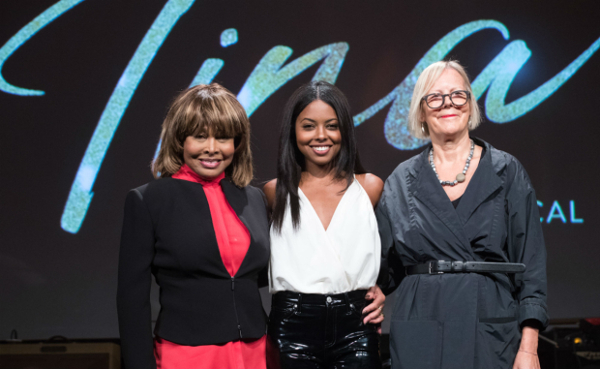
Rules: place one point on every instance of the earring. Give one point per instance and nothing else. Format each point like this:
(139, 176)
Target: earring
(423, 127)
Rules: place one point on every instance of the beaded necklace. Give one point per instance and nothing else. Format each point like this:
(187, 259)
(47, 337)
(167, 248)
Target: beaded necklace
(460, 177)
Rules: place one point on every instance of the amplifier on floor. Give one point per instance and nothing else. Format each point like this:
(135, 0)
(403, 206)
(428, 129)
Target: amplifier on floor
(570, 344)
(78, 354)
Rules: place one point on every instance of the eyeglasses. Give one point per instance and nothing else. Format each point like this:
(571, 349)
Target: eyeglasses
(457, 98)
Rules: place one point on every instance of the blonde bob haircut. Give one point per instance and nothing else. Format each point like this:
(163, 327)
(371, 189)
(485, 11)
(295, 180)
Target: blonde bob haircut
(417, 127)
(210, 109)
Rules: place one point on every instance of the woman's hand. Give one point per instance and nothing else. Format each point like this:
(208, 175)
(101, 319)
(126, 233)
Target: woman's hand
(525, 360)
(527, 357)
(374, 310)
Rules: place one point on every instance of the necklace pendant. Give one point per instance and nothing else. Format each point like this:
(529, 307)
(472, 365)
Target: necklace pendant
(460, 177)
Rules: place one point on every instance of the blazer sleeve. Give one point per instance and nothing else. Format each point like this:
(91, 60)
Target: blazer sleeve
(263, 275)
(526, 245)
(133, 292)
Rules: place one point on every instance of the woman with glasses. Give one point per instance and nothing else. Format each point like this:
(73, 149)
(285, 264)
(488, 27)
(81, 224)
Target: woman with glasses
(461, 233)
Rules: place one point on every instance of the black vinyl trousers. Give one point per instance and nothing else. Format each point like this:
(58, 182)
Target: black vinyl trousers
(321, 332)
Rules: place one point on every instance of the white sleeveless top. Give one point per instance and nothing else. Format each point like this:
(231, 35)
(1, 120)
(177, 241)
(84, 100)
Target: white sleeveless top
(343, 258)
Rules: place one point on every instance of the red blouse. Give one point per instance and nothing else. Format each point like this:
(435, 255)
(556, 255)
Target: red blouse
(233, 239)
(232, 235)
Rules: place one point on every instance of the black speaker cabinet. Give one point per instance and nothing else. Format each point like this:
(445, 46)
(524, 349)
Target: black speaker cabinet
(55, 355)
(570, 344)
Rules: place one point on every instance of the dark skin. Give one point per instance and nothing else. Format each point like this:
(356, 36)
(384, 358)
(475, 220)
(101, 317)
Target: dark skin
(325, 195)
(319, 139)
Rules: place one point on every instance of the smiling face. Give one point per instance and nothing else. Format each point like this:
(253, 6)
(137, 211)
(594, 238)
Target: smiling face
(318, 134)
(208, 155)
(448, 120)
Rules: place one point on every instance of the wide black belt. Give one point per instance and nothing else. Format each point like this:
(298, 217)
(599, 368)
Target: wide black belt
(442, 266)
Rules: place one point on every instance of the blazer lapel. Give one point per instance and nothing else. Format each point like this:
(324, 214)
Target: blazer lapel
(483, 184)
(428, 190)
(202, 230)
(234, 195)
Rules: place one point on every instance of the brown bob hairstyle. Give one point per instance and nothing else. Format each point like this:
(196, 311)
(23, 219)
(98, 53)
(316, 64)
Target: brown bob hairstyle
(211, 109)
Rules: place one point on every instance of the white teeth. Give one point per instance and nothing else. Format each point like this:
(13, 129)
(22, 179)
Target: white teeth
(321, 148)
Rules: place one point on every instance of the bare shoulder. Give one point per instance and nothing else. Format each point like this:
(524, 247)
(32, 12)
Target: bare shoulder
(270, 189)
(372, 184)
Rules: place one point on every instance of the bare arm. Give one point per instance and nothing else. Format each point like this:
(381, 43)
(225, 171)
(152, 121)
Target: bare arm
(269, 190)
(372, 184)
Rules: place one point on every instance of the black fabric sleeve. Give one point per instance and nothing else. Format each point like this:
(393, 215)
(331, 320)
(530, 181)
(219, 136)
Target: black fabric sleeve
(392, 270)
(263, 277)
(526, 245)
(133, 291)
(532, 323)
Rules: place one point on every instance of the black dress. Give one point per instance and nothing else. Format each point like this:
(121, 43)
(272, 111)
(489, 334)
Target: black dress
(463, 320)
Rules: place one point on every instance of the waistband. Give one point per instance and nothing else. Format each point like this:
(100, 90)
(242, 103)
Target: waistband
(442, 266)
(318, 299)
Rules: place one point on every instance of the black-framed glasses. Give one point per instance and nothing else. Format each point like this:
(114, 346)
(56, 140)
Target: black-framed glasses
(457, 98)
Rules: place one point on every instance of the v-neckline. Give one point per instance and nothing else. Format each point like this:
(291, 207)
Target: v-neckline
(238, 214)
(334, 212)
(462, 197)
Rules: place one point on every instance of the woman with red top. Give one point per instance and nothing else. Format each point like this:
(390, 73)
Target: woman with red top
(204, 235)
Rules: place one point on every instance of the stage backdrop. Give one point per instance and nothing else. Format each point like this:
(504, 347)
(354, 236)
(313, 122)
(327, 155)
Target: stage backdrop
(85, 85)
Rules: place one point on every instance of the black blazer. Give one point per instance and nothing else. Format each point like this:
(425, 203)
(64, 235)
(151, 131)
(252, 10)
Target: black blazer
(168, 231)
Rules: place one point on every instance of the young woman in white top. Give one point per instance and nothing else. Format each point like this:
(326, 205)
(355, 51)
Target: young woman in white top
(325, 247)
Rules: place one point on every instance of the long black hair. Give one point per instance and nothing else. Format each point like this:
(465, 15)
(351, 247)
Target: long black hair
(291, 162)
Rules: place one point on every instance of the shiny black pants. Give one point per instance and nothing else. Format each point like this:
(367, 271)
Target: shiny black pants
(321, 331)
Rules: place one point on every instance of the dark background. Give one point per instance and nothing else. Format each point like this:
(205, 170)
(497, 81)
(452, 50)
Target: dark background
(57, 283)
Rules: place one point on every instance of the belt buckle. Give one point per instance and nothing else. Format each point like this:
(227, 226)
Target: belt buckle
(431, 269)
